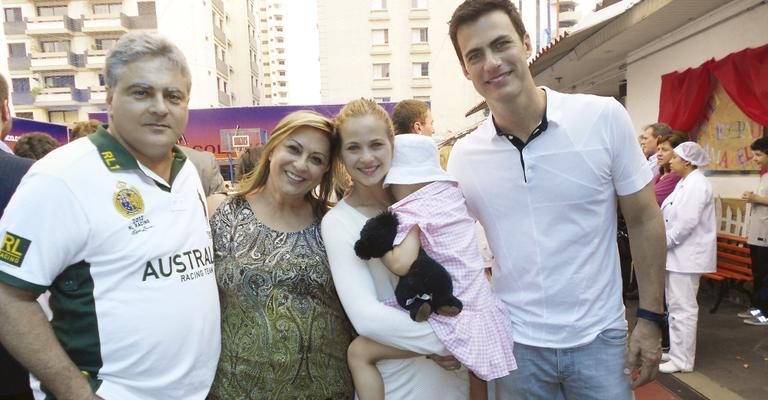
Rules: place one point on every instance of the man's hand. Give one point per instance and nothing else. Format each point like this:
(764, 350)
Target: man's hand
(748, 196)
(448, 363)
(644, 353)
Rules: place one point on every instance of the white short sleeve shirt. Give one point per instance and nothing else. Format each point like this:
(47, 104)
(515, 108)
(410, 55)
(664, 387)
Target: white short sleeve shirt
(552, 226)
(128, 260)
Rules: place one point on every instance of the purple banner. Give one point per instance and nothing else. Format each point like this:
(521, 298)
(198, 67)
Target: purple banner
(22, 126)
(212, 129)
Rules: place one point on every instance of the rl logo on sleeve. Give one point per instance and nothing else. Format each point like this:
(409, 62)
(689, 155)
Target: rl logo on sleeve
(13, 249)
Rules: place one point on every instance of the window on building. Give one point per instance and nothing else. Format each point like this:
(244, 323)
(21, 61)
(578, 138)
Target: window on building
(17, 50)
(108, 8)
(418, 3)
(56, 81)
(25, 114)
(105, 43)
(419, 35)
(102, 81)
(278, 17)
(281, 73)
(382, 99)
(20, 85)
(379, 36)
(63, 116)
(280, 62)
(220, 52)
(420, 69)
(378, 4)
(13, 14)
(54, 46)
(282, 84)
(380, 71)
(279, 28)
(49, 11)
(146, 8)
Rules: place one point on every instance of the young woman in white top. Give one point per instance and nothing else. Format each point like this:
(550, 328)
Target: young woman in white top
(689, 217)
(366, 137)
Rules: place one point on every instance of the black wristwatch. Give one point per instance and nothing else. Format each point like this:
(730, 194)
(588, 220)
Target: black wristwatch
(659, 319)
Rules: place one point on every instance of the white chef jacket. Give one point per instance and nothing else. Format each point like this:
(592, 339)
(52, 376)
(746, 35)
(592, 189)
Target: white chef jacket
(689, 217)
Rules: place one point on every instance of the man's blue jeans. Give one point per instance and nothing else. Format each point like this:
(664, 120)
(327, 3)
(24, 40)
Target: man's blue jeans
(592, 371)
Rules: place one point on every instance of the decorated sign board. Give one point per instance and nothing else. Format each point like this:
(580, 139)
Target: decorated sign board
(727, 134)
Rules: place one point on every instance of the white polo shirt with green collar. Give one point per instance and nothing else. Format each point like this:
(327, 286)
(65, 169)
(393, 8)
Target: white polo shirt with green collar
(128, 260)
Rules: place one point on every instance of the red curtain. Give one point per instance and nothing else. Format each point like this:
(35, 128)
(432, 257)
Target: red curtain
(684, 97)
(744, 76)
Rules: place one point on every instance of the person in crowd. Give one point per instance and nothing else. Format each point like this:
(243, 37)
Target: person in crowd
(649, 143)
(128, 261)
(207, 169)
(412, 116)
(666, 180)
(366, 146)
(543, 175)
(284, 332)
(35, 145)
(757, 239)
(15, 382)
(689, 217)
(82, 129)
(247, 162)
(431, 214)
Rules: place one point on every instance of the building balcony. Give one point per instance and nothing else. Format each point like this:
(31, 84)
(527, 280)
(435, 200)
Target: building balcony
(418, 14)
(98, 95)
(97, 23)
(251, 18)
(55, 61)
(222, 68)
(15, 28)
(254, 42)
(219, 35)
(18, 63)
(381, 83)
(224, 99)
(218, 5)
(22, 98)
(95, 59)
(142, 22)
(567, 4)
(52, 97)
(379, 15)
(421, 82)
(254, 67)
(568, 18)
(380, 49)
(420, 48)
(51, 25)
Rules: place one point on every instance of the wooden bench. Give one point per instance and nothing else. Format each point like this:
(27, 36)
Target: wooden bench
(734, 266)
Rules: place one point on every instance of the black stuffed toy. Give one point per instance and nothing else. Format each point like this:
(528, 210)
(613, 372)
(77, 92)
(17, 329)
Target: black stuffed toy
(426, 288)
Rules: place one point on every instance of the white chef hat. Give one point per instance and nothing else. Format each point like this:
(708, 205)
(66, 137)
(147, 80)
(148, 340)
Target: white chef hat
(693, 153)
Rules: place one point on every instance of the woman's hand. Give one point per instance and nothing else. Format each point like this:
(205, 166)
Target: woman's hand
(448, 363)
(749, 196)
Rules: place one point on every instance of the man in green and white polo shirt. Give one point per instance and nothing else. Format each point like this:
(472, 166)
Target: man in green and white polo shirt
(115, 226)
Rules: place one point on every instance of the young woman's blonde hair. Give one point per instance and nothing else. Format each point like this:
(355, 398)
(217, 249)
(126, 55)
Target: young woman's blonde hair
(319, 197)
(360, 108)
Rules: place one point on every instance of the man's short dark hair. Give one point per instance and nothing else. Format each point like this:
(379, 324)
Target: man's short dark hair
(471, 10)
(659, 129)
(760, 145)
(407, 113)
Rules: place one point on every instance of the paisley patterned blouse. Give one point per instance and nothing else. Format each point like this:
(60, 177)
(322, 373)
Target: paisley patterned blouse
(283, 331)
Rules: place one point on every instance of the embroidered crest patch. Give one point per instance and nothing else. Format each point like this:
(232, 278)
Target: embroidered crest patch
(127, 200)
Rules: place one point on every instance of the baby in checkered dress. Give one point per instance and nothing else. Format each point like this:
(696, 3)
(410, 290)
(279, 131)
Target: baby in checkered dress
(432, 215)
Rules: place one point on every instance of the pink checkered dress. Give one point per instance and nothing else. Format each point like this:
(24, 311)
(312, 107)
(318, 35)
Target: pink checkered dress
(480, 337)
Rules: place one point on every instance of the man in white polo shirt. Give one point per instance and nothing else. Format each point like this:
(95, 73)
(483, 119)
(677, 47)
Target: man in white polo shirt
(542, 174)
(115, 227)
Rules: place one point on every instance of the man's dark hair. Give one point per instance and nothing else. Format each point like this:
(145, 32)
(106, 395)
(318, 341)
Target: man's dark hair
(34, 145)
(471, 10)
(407, 113)
(659, 129)
(760, 145)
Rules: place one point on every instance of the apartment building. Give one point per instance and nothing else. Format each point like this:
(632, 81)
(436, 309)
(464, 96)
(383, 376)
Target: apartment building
(546, 20)
(56, 49)
(392, 50)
